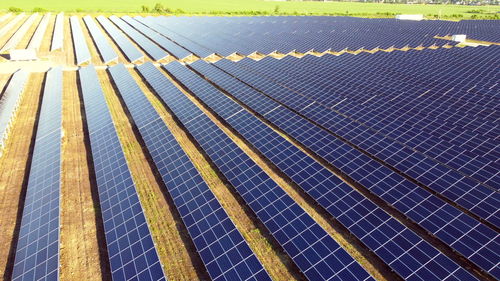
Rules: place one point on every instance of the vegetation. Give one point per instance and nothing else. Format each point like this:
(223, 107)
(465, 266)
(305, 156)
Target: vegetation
(256, 7)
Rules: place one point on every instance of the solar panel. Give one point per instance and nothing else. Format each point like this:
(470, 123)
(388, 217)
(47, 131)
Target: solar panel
(37, 250)
(9, 103)
(18, 36)
(82, 52)
(6, 28)
(123, 43)
(131, 250)
(315, 253)
(152, 31)
(155, 52)
(439, 218)
(223, 250)
(105, 50)
(58, 35)
(36, 40)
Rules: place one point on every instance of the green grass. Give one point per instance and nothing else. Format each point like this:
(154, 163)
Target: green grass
(255, 7)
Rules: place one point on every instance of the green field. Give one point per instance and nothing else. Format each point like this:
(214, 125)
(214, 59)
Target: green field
(249, 7)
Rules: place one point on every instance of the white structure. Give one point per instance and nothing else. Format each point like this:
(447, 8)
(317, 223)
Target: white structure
(410, 17)
(23, 54)
(459, 38)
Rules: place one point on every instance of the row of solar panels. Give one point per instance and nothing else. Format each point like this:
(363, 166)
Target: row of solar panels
(37, 37)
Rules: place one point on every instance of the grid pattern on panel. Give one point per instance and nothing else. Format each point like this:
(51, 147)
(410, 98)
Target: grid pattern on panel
(309, 246)
(58, 35)
(37, 252)
(222, 248)
(438, 118)
(131, 250)
(105, 49)
(469, 237)
(36, 40)
(18, 36)
(399, 247)
(153, 31)
(155, 52)
(130, 51)
(82, 52)
(477, 198)
(9, 103)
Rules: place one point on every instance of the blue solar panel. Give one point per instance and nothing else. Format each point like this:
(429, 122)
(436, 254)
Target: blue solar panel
(105, 50)
(315, 253)
(130, 51)
(82, 52)
(155, 52)
(222, 248)
(37, 251)
(131, 250)
(392, 241)
(466, 235)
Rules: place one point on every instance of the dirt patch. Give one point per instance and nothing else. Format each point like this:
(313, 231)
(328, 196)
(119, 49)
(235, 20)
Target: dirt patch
(79, 250)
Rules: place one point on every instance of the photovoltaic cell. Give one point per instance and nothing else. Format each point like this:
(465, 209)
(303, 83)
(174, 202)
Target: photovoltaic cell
(123, 43)
(221, 247)
(315, 253)
(82, 52)
(37, 252)
(105, 50)
(131, 250)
